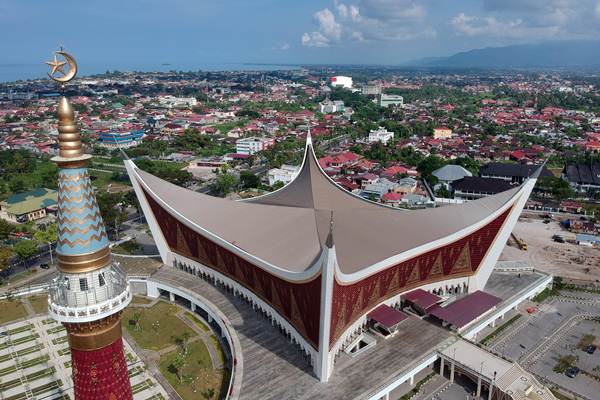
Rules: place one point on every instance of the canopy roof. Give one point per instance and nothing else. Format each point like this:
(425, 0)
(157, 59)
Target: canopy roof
(466, 309)
(422, 298)
(387, 316)
(289, 227)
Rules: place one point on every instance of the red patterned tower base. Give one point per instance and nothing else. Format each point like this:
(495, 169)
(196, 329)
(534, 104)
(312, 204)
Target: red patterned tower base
(99, 367)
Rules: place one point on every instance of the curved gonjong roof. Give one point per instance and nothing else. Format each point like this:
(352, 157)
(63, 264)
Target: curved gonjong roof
(289, 227)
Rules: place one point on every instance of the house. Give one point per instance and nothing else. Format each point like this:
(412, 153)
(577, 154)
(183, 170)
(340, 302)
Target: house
(253, 145)
(511, 172)
(449, 174)
(29, 206)
(583, 178)
(392, 198)
(442, 132)
(376, 190)
(474, 187)
(285, 174)
(380, 135)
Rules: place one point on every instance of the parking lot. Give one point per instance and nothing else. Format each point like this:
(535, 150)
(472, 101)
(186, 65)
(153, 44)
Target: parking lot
(538, 340)
(588, 363)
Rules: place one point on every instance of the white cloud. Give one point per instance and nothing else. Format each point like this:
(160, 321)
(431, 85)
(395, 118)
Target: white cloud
(369, 20)
(358, 36)
(342, 9)
(314, 39)
(544, 19)
(489, 26)
(282, 46)
(386, 10)
(327, 24)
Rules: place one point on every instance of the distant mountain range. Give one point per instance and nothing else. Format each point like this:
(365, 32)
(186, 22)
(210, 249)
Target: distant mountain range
(567, 54)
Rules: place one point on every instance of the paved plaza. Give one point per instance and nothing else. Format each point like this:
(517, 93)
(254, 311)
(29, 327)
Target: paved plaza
(35, 363)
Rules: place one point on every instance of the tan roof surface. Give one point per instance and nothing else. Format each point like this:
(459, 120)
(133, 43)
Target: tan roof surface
(287, 228)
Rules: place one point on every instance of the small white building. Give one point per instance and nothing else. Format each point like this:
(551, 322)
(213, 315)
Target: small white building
(341, 81)
(253, 145)
(380, 135)
(386, 100)
(177, 102)
(285, 174)
(330, 107)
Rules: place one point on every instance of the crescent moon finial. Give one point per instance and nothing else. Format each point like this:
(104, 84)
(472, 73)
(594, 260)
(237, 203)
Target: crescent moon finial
(58, 73)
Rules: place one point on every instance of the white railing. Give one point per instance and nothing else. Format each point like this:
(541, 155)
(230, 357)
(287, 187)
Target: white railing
(90, 312)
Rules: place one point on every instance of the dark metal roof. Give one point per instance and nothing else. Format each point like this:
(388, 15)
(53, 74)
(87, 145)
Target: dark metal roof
(466, 309)
(481, 185)
(583, 173)
(512, 170)
(572, 173)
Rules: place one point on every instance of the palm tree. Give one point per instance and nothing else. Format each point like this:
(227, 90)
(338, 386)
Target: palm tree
(136, 320)
(177, 366)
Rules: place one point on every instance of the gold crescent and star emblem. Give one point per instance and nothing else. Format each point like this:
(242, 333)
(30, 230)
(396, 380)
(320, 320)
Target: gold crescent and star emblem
(58, 73)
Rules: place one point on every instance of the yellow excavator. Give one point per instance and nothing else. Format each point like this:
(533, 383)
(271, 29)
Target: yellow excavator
(522, 245)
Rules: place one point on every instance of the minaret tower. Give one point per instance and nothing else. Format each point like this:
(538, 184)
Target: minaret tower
(90, 291)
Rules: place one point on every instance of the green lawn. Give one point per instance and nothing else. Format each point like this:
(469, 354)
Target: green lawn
(141, 300)
(198, 373)
(11, 310)
(39, 304)
(150, 335)
(197, 321)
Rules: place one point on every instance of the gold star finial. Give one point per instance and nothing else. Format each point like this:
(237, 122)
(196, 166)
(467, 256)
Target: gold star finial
(57, 66)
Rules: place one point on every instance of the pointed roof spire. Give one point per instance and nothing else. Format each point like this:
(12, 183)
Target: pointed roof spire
(308, 137)
(329, 243)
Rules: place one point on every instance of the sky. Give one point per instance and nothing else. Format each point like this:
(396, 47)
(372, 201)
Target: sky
(200, 32)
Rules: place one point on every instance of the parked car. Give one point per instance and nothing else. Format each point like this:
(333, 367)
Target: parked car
(558, 239)
(44, 266)
(572, 372)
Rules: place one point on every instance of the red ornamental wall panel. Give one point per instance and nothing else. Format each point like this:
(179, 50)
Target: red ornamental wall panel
(460, 258)
(298, 303)
(101, 374)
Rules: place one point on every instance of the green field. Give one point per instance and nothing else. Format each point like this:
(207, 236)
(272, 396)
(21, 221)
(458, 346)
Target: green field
(11, 310)
(197, 373)
(39, 304)
(158, 325)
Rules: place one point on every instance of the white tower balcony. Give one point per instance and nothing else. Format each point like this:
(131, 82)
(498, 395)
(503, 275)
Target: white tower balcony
(90, 296)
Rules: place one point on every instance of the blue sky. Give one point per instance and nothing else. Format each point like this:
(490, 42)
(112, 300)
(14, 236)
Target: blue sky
(294, 31)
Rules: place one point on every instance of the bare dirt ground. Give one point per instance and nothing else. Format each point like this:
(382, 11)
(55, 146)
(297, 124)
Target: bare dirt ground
(564, 259)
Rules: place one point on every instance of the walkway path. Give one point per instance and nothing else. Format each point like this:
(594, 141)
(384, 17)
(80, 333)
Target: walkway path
(205, 337)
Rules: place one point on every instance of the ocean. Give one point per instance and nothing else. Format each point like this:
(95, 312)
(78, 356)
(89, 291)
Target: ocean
(14, 72)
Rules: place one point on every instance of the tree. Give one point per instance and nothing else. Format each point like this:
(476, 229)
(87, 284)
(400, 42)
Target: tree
(223, 184)
(112, 213)
(136, 320)
(25, 249)
(48, 235)
(6, 228)
(209, 394)
(177, 365)
(17, 185)
(249, 180)
(428, 165)
(182, 341)
(6, 254)
(558, 188)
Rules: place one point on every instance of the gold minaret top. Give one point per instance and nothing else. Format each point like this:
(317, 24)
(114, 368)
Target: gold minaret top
(69, 139)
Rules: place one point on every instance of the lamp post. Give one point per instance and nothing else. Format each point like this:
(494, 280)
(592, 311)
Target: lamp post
(50, 250)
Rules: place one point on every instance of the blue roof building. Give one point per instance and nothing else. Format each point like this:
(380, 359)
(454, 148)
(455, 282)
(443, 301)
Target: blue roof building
(121, 139)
